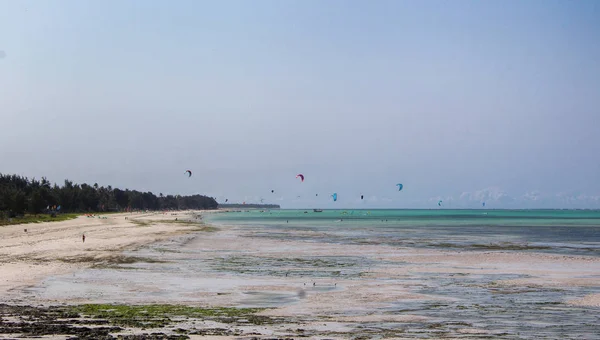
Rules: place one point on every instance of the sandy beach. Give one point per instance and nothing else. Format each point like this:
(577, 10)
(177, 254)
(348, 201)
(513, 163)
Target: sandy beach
(52, 248)
(309, 289)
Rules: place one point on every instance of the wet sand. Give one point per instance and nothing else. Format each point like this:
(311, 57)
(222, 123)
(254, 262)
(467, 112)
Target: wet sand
(309, 288)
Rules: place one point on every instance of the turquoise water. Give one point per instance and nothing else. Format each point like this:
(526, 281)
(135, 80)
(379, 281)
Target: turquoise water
(520, 312)
(561, 231)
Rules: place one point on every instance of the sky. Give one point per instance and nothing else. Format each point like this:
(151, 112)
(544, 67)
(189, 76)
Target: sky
(464, 101)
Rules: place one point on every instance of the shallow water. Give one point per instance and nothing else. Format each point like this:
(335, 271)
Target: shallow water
(558, 231)
(521, 312)
(271, 271)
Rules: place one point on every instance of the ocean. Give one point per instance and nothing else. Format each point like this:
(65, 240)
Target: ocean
(560, 231)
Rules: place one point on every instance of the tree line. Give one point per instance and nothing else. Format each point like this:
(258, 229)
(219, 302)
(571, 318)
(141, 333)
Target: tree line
(20, 195)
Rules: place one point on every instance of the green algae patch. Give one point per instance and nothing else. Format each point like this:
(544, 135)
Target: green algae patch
(491, 246)
(158, 316)
(201, 225)
(110, 260)
(39, 218)
(207, 229)
(140, 223)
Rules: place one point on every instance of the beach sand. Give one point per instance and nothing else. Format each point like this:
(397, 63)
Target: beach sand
(57, 247)
(396, 293)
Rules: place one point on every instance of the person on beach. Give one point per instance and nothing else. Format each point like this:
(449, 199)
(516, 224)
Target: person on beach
(83, 238)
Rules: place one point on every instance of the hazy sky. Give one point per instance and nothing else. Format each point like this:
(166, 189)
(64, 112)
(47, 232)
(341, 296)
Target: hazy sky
(463, 100)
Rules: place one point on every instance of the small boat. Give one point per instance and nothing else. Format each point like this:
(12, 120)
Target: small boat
(318, 210)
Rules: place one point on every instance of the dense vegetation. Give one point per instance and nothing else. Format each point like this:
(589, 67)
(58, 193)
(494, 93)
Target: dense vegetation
(20, 195)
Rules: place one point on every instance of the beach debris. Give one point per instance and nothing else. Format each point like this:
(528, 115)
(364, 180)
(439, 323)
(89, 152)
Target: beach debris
(301, 293)
(189, 172)
(301, 176)
(400, 186)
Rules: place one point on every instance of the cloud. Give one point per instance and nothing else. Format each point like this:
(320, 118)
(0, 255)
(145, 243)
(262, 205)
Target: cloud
(532, 196)
(577, 199)
(498, 198)
(491, 194)
(446, 200)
